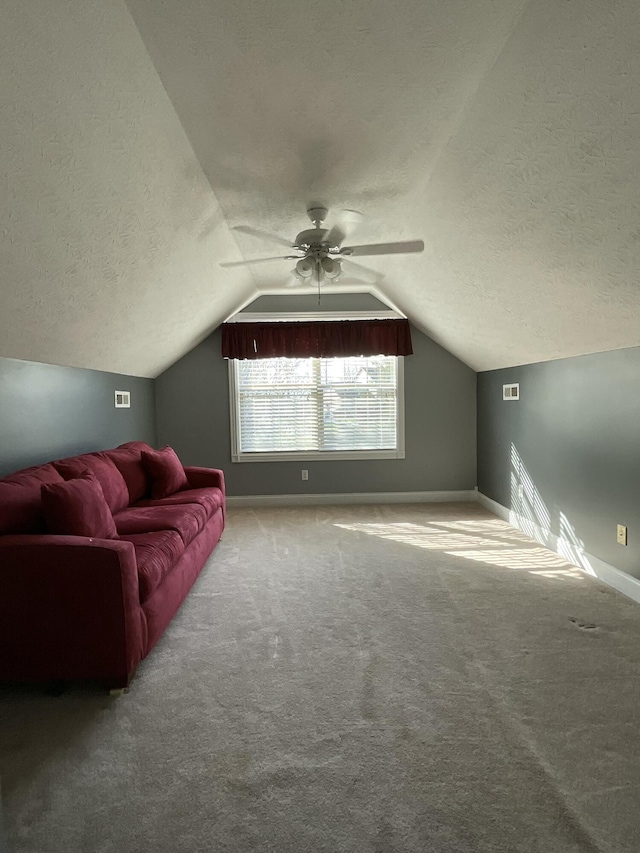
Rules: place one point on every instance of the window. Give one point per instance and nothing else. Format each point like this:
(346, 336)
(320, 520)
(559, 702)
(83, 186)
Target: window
(317, 408)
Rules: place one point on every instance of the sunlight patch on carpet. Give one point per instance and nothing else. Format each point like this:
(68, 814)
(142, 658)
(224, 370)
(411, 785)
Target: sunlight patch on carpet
(495, 547)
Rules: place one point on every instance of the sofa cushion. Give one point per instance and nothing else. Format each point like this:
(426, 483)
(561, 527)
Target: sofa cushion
(112, 482)
(78, 508)
(210, 498)
(156, 554)
(187, 520)
(21, 502)
(165, 470)
(128, 460)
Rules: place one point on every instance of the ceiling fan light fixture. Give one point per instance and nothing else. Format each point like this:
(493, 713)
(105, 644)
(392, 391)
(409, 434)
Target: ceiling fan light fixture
(304, 268)
(331, 267)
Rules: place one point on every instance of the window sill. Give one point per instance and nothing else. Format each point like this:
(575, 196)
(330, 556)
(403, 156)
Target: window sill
(315, 456)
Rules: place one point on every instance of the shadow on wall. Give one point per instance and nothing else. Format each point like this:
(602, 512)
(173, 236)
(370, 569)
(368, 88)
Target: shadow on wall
(489, 541)
(530, 513)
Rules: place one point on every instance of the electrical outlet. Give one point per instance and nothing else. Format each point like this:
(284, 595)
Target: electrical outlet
(305, 474)
(622, 535)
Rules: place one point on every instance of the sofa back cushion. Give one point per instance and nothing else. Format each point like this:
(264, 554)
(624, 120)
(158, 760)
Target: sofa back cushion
(127, 459)
(165, 470)
(111, 480)
(78, 508)
(20, 502)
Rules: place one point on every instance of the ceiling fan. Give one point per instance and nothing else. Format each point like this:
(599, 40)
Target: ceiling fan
(319, 251)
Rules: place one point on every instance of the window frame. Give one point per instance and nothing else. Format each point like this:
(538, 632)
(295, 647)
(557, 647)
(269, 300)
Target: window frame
(316, 455)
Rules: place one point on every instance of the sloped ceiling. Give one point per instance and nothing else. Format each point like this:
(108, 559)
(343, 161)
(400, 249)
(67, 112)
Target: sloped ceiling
(504, 133)
(110, 232)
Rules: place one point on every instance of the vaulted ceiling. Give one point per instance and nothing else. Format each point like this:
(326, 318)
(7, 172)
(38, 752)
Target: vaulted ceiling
(133, 137)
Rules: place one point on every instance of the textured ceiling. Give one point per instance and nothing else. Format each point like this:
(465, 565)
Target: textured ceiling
(109, 231)
(504, 133)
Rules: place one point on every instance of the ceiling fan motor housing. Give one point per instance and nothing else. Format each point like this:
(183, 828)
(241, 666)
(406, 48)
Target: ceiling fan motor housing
(313, 239)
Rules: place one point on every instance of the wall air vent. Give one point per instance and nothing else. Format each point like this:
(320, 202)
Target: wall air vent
(511, 392)
(123, 399)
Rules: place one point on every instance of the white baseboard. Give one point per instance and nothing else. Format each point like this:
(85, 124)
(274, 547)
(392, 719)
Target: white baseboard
(570, 552)
(352, 498)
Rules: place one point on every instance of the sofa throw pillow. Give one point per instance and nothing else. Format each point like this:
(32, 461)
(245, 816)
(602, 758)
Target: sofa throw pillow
(78, 508)
(165, 470)
(111, 480)
(128, 460)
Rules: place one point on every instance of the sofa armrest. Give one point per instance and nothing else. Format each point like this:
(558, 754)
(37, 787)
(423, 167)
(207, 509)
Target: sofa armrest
(69, 608)
(202, 478)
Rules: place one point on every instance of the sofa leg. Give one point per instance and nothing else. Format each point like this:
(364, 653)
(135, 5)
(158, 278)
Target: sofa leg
(118, 686)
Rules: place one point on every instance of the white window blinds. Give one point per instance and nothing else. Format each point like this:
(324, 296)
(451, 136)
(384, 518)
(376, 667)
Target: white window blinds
(322, 406)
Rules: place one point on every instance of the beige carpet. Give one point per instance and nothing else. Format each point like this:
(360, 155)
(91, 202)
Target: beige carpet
(376, 679)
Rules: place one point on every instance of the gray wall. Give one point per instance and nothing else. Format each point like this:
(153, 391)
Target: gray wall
(440, 421)
(573, 441)
(47, 411)
(310, 304)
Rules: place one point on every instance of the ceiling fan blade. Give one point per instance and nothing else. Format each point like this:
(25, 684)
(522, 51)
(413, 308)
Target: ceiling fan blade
(385, 248)
(346, 222)
(259, 261)
(263, 235)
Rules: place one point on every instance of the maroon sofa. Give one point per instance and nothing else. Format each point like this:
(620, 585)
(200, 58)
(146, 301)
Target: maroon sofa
(83, 606)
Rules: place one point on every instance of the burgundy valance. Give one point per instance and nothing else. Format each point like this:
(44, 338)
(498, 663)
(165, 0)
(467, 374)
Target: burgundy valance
(316, 339)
